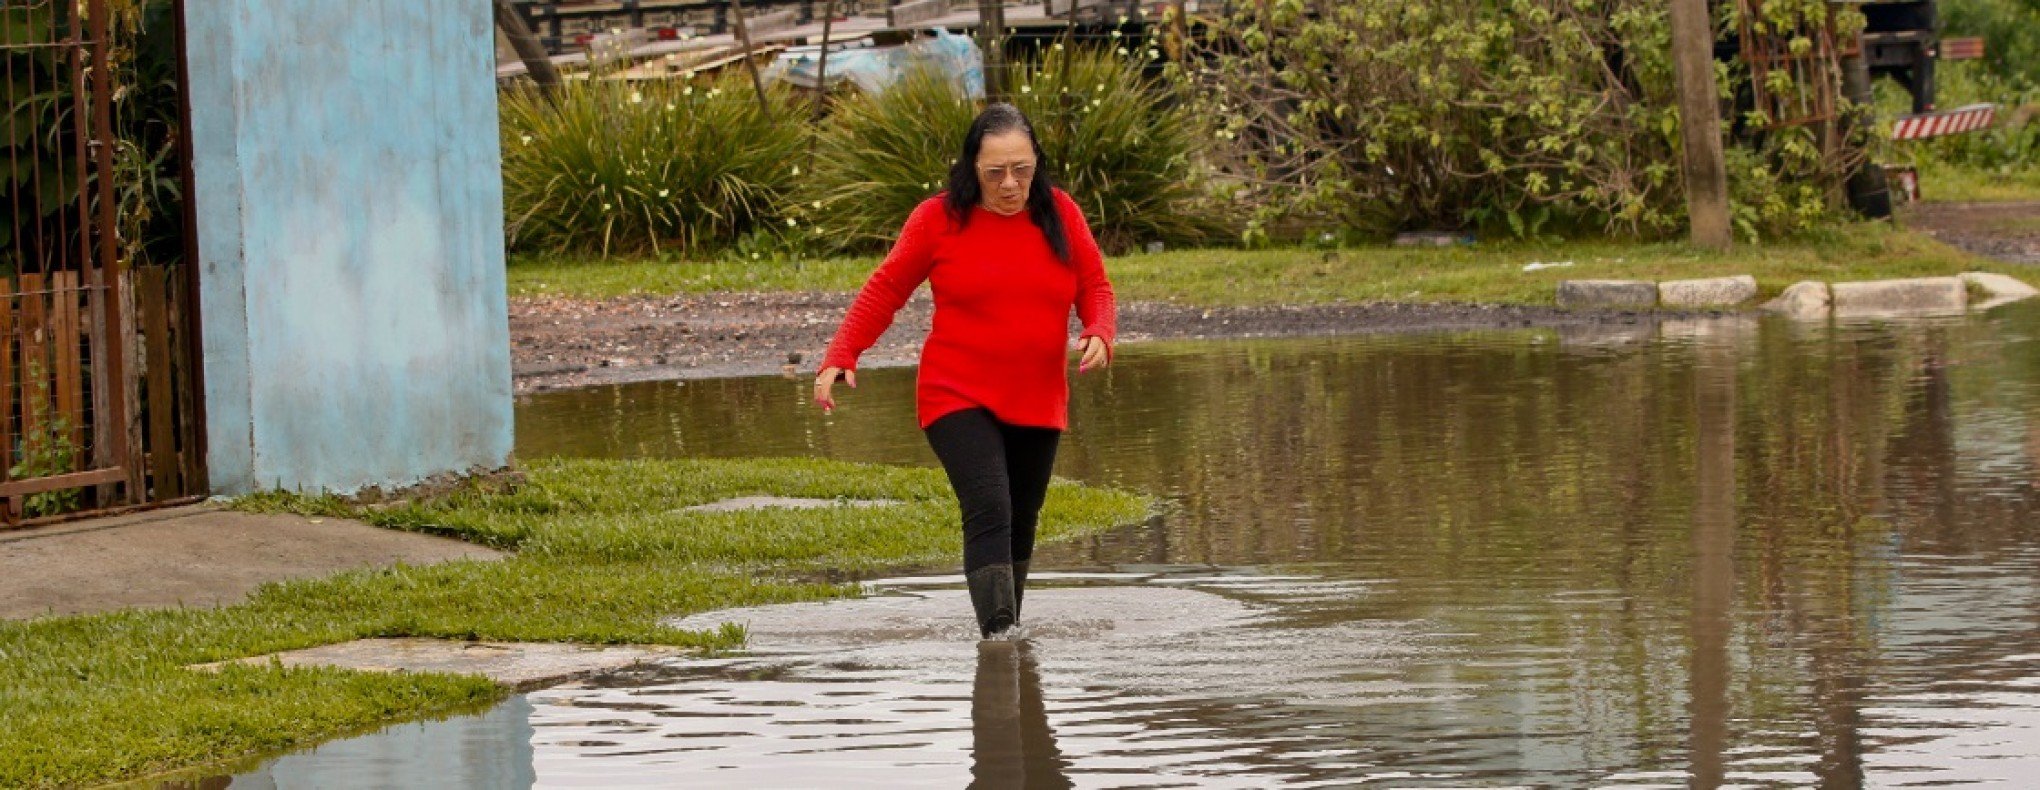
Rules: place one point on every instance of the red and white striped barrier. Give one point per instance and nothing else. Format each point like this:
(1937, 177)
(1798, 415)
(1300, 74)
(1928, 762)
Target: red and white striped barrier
(1956, 121)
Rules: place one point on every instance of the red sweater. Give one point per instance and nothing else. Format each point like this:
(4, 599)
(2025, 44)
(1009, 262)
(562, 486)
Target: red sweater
(1002, 311)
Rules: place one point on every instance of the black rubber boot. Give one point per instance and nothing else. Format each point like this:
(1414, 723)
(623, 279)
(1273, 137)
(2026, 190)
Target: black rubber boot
(991, 594)
(1019, 586)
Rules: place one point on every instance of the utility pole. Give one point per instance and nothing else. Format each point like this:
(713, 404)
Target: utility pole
(992, 42)
(750, 62)
(537, 62)
(1700, 124)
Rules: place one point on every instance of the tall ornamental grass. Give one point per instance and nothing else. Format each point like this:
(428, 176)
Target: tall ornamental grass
(1119, 144)
(882, 154)
(615, 167)
(1126, 150)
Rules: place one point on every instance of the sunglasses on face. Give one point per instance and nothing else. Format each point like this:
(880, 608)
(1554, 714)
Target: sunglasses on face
(1020, 172)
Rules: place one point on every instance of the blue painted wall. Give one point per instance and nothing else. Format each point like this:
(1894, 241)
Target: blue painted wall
(350, 226)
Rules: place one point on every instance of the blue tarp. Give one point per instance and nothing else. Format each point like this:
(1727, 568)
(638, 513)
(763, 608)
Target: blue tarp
(873, 69)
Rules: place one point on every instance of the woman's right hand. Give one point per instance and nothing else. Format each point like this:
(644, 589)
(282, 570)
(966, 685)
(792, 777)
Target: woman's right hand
(825, 382)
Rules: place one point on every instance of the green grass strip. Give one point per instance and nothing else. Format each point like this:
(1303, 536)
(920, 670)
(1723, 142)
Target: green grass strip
(602, 555)
(1480, 273)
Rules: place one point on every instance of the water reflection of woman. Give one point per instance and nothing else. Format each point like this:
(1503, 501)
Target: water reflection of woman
(1011, 743)
(1008, 256)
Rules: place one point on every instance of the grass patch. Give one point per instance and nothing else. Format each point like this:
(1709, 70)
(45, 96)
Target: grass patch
(1945, 183)
(594, 278)
(1488, 273)
(601, 556)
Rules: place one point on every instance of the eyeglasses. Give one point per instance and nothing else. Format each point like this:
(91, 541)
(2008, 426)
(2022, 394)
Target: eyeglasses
(997, 175)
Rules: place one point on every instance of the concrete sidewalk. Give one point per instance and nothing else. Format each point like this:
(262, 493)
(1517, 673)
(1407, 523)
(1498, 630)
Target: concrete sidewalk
(198, 555)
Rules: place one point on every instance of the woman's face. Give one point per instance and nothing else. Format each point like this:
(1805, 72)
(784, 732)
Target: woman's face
(1005, 168)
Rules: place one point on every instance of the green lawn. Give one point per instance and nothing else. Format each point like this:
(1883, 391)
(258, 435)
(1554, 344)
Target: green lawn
(1488, 273)
(600, 556)
(1956, 184)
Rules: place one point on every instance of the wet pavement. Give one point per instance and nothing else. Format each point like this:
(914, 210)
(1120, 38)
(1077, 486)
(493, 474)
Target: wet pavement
(1746, 552)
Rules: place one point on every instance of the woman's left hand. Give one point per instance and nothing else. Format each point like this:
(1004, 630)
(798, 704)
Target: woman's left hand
(1095, 354)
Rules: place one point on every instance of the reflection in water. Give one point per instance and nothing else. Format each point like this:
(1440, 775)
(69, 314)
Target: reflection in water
(1011, 742)
(1697, 554)
(491, 749)
(1713, 560)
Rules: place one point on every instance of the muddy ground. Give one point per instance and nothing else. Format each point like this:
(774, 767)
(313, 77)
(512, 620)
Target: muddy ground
(562, 342)
(559, 343)
(2006, 231)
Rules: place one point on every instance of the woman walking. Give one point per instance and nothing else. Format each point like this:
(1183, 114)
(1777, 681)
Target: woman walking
(1008, 256)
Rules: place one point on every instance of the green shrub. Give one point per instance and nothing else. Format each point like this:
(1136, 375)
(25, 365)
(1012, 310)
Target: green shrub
(2010, 146)
(618, 167)
(2010, 30)
(1517, 117)
(1120, 146)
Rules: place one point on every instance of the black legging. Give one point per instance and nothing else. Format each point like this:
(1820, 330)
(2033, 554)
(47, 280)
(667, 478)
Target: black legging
(1000, 473)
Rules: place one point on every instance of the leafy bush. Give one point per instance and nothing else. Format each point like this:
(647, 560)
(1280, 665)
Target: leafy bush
(2010, 30)
(1524, 116)
(615, 167)
(2012, 145)
(1120, 145)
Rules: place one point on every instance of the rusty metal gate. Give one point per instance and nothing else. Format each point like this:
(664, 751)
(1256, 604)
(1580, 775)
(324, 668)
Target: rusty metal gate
(74, 347)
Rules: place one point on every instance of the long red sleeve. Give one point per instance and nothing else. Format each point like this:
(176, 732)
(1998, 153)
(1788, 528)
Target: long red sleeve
(889, 287)
(1002, 308)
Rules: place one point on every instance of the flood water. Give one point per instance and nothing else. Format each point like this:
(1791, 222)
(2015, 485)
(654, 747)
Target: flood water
(1726, 553)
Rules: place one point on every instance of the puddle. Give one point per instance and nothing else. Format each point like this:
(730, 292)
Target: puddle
(1760, 554)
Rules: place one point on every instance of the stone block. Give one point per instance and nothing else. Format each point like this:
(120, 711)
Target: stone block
(1711, 292)
(1806, 300)
(1999, 289)
(1607, 293)
(1921, 296)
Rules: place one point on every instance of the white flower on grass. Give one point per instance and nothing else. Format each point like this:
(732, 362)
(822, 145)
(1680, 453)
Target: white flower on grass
(664, 192)
(1122, 52)
(792, 223)
(1026, 89)
(1099, 88)
(687, 91)
(796, 169)
(817, 205)
(608, 206)
(1115, 33)
(527, 139)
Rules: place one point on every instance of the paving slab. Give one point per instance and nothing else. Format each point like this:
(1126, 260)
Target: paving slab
(197, 555)
(519, 665)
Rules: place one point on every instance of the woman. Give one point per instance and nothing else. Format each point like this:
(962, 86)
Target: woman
(1007, 256)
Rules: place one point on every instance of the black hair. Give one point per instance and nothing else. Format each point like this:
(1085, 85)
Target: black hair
(963, 176)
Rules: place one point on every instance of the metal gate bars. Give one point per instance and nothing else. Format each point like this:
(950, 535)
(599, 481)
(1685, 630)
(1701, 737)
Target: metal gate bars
(63, 401)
